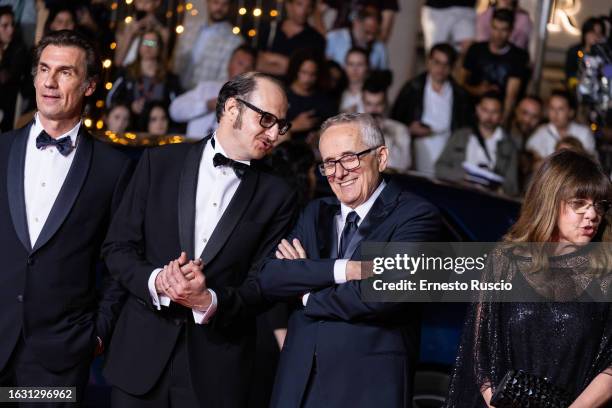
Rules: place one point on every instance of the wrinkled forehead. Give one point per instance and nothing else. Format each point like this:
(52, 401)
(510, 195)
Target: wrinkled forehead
(340, 139)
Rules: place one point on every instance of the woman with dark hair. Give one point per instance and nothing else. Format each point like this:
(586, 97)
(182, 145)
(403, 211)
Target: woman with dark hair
(593, 32)
(147, 79)
(521, 29)
(357, 67)
(309, 105)
(155, 119)
(60, 18)
(559, 334)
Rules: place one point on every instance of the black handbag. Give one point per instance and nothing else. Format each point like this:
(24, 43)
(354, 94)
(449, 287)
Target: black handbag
(519, 389)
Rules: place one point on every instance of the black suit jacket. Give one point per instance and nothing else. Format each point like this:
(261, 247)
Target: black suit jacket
(48, 291)
(365, 352)
(409, 104)
(154, 223)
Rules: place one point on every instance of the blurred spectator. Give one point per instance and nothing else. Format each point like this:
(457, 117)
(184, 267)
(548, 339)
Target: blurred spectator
(93, 20)
(561, 110)
(396, 133)
(356, 69)
(13, 67)
(147, 78)
(60, 18)
(363, 33)
(497, 65)
(128, 34)
(278, 41)
(117, 118)
(198, 105)
(522, 27)
(345, 11)
(155, 119)
(309, 106)
(433, 105)
(487, 146)
(451, 21)
(208, 58)
(527, 117)
(593, 32)
(25, 18)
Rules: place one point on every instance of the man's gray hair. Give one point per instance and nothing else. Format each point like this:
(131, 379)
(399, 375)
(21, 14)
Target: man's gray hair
(371, 135)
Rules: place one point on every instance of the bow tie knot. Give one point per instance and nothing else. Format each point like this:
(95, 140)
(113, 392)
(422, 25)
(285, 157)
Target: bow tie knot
(239, 168)
(63, 145)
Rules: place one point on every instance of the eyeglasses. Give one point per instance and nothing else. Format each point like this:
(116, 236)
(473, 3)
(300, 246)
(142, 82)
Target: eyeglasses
(268, 120)
(581, 206)
(348, 162)
(149, 43)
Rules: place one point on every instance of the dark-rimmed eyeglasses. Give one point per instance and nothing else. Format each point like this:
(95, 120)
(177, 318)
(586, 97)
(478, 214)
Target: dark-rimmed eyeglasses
(581, 206)
(350, 161)
(268, 120)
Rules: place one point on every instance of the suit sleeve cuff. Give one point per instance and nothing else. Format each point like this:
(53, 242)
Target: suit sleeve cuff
(340, 271)
(305, 299)
(204, 316)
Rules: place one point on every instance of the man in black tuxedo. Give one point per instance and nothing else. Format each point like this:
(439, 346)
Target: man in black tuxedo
(185, 337)
(58, 189)
(341, 351)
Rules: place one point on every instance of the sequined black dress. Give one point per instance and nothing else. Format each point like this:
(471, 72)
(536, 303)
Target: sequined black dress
(568, 342)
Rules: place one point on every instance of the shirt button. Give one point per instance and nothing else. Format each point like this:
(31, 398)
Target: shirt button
(36, 219)
(214, 204)
(204, 240)
(224, 173)
(43, 184)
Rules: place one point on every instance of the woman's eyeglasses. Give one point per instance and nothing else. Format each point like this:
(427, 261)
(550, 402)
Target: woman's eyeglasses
(581, 206)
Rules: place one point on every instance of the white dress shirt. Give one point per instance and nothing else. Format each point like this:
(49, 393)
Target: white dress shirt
(475, 154)
(362, 211)
(437, 114)
(545, 138)
(216, 188)
(44, 174)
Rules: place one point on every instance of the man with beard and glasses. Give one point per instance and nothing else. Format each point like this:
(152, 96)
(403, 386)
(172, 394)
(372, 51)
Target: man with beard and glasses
(487, 146)
(207, 57)
(186, 242)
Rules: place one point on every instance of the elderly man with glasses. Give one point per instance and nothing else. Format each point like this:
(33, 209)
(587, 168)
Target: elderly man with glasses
(341, 351)
(185, 243)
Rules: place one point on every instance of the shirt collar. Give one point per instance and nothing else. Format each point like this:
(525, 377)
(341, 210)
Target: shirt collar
(218, 148)
(446, 88)
(363, 209)
(37, 127)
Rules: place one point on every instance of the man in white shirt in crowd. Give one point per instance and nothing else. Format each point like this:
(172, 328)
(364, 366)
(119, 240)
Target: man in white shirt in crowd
(486, 146)
(561, 124)
(197, 107)
(207, 57)
(397, 137)
(433, 105)
(363, 33)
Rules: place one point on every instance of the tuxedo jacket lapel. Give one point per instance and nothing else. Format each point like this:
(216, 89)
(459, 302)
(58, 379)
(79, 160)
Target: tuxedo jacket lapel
(70, 189)
(188, 185)
(326, 230)
(15, 187)
(384, 204)
(232, 214)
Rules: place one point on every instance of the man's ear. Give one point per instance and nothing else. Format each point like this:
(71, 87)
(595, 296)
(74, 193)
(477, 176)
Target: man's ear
(382, 157)
(90, 88)
(231, 106)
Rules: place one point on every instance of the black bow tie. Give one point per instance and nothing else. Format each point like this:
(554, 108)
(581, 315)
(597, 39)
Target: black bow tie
(239, 168)
(63, 145)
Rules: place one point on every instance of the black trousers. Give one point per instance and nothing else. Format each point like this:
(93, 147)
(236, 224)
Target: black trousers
(173, 390)
(24, 370)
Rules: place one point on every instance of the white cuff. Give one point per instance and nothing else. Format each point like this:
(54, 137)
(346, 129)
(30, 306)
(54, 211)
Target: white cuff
(204, 316)
(158, 300)
(340, 271)
(305, 299)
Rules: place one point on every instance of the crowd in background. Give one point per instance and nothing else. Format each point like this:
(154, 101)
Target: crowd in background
(467, 117)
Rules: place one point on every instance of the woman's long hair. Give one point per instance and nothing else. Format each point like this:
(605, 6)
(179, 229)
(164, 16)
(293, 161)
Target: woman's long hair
(134, 70)
(562, 176)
